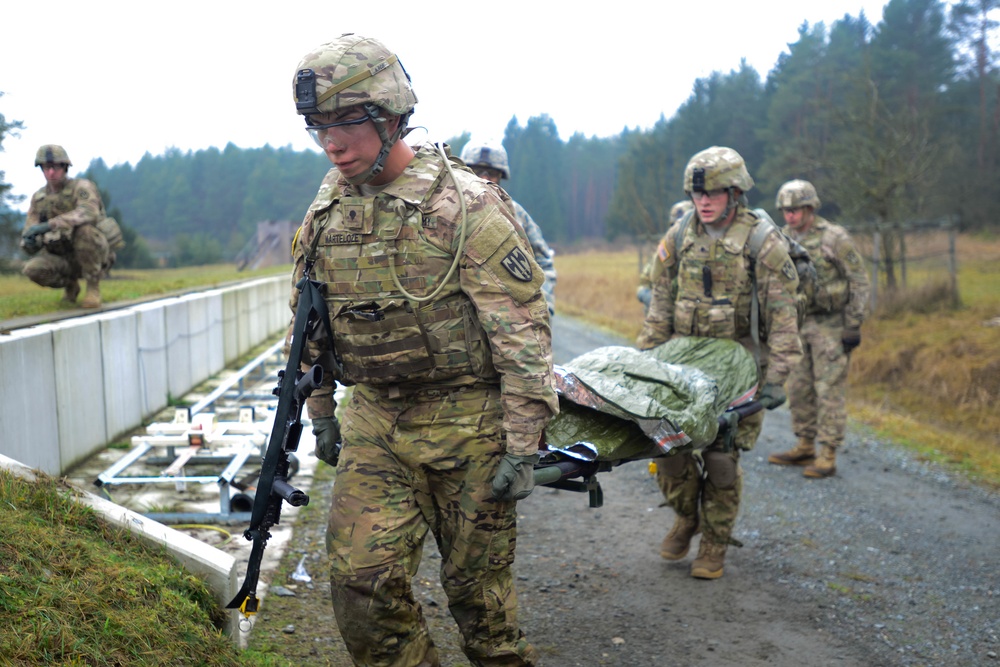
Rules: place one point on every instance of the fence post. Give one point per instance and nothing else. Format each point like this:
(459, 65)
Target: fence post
(953, 264)
(876, 246)
(902, 254)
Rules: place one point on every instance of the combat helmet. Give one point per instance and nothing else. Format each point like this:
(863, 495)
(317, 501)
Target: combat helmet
(355, 71)
(487, 154)
(796, 194)
(716, 168)
(52, 153)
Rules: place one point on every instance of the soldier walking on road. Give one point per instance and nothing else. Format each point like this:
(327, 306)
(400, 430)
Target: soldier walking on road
(61, 231)
(817, 387)
(717, 282)
(440, 324)
(489, 160)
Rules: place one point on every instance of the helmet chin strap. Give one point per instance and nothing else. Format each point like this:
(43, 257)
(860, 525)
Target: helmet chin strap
(375, 113)
(732, 201)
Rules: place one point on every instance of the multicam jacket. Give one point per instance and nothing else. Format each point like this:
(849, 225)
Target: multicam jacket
(707, 291)
(542, 252)
(842, 282)
(488, 323)
(78, 203)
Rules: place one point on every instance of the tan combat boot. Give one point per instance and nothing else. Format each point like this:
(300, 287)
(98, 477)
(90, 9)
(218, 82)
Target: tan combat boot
(92, 299)
(802, 454)
(71, 292)
(711, 558)
(677, 542)
(825, 464)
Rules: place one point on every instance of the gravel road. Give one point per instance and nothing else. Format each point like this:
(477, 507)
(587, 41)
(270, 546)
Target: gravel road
(891, 562)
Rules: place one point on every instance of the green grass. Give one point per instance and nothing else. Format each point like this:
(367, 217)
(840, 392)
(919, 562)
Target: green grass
(75, 590)
(21, 297)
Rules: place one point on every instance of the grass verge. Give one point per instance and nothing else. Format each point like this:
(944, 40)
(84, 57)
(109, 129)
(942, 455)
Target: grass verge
(21, 297)
(75, 590)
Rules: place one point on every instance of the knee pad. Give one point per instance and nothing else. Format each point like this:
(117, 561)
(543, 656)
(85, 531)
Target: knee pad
(721, 469)
(673, 466)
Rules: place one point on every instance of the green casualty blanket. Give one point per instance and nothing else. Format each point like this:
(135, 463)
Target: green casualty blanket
(619, 403)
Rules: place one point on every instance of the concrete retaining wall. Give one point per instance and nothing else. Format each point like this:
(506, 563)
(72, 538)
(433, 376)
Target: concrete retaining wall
(105, 373)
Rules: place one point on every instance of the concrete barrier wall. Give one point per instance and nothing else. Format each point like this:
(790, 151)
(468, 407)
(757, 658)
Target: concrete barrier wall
(105, 373)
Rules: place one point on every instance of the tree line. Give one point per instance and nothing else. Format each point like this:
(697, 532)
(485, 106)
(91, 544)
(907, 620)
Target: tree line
(892, 121)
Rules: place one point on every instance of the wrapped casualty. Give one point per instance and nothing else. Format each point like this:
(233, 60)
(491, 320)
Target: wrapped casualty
(619, 404)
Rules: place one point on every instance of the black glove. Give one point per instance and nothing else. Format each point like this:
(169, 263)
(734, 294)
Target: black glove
(31, 239)
(850, 339)
(515, 477)
(327, 432)
(772, 395)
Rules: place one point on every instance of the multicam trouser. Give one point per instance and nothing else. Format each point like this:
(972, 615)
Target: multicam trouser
(410, 465)
(817, 388)
(88, 259)
(712, 494)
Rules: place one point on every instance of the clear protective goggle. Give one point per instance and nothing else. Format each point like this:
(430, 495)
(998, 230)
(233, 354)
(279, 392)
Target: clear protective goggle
(317, 131)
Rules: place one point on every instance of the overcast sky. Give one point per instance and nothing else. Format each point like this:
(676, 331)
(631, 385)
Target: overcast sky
(119, 79)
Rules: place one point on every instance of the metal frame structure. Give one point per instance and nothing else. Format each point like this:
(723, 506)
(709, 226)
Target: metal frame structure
(194, 438)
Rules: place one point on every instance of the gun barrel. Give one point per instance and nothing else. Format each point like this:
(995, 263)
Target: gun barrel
(309, 382)
(289, 493)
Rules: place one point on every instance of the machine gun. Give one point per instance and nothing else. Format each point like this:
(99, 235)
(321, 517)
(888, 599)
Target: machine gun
(293, 388)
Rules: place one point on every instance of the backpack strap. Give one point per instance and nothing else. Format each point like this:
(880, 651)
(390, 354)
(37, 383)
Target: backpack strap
(684, 223)
(754, 243)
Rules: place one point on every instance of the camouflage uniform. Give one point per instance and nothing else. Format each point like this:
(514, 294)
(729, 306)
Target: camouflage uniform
(682, 305)
(817, 387)
(443, 389)
(493, 155)
(77, 248)
(542, 252)
(650, 272)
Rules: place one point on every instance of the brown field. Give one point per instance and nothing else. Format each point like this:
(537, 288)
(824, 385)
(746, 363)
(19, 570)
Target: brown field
(926, 375)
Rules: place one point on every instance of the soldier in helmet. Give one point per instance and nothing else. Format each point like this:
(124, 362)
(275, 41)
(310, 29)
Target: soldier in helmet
(61, 231)
(439, 321)
(645, 290)
(489, 160)
(715, 284)
(832, 328)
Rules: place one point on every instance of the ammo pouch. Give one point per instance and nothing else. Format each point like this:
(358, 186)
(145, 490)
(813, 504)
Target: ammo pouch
(394, 342)
(112, 232)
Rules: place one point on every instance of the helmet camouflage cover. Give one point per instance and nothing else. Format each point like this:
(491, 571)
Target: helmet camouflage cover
(52, 153)
(716, 168)
(486, 153)
(796, 194)
(349, 71)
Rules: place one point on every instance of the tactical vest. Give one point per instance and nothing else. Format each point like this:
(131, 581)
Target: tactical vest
(381, 337)
(50, 205)
(832, 288)
(714, 284)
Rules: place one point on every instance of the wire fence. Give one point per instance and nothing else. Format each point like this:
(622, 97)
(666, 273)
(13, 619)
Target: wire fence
(907, 257)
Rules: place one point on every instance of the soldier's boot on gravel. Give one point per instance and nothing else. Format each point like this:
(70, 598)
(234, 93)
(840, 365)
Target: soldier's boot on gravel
(678, 541)
(802, 454)
(710, 560)
(71, 292)
(92, 299)
(825, 464)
